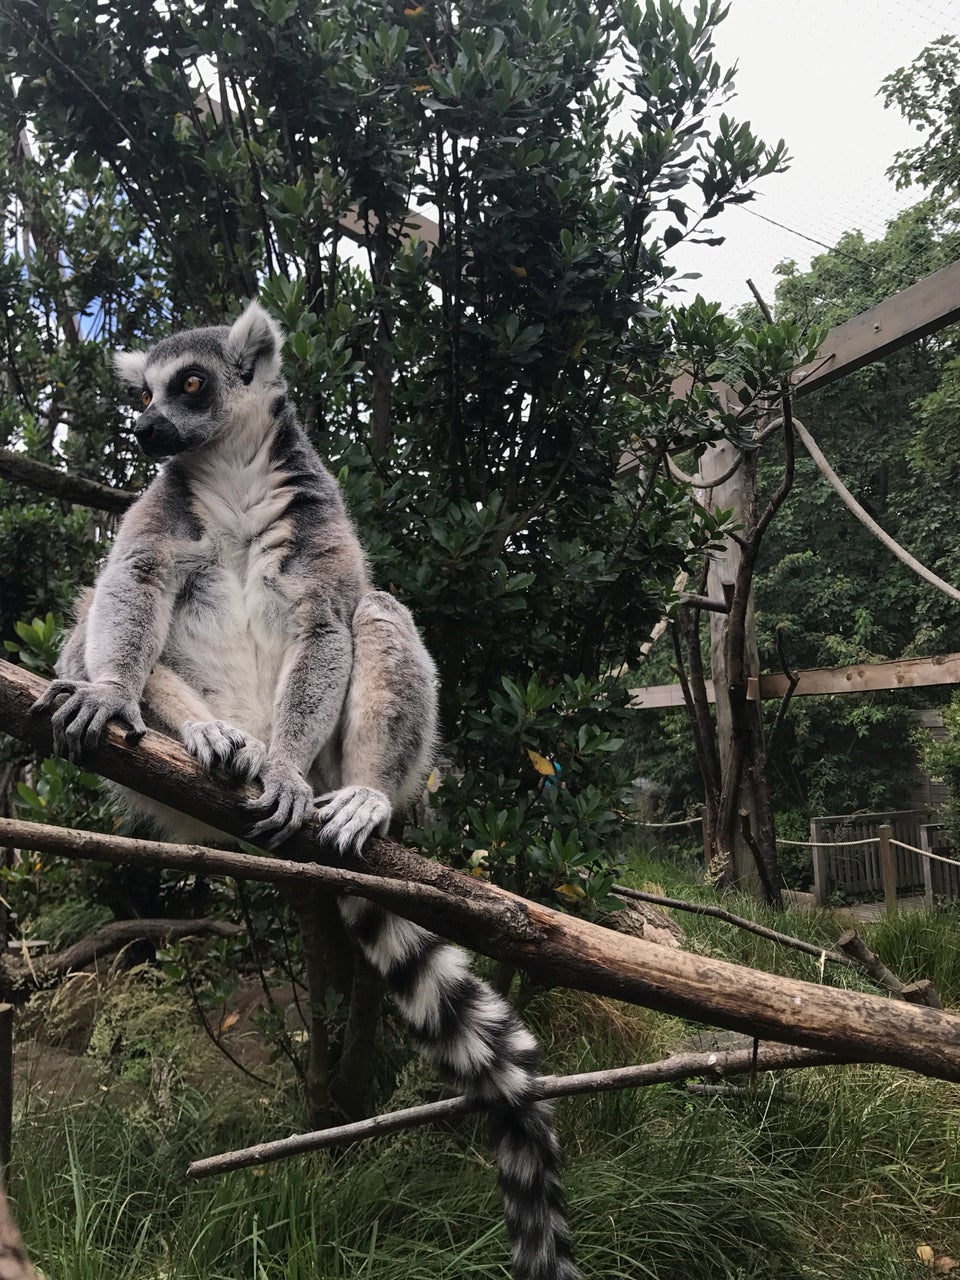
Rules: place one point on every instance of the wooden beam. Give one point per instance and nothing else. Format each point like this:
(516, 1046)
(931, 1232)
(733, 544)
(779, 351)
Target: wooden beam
(865, 677)
(904, 317)
(928, 305)
(663, 696)
(906, 673)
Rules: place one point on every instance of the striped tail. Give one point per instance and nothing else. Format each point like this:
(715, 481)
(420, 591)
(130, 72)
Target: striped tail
(478, 1044)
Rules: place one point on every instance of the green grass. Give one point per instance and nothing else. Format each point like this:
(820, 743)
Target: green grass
(821, 1175)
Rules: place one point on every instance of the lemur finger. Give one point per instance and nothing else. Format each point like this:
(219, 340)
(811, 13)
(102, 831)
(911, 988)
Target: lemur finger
(205, 741)
(264, 802)
(59, 721)
(134, 719)
(96, 726)
(55, 689)
(249, 762)
(75, 732)
(352, 815)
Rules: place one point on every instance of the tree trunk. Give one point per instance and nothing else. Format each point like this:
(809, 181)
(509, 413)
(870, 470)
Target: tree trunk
(740, 849)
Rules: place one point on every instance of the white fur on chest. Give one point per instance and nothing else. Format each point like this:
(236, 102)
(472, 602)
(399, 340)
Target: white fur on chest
(231, 637)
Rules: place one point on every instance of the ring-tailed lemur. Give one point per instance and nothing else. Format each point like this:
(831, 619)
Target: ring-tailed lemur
(235, 611)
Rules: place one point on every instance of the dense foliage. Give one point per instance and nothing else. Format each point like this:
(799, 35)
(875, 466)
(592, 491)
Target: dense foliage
(474, 394)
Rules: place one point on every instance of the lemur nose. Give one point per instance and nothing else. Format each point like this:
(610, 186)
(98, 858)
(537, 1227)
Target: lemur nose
(146, 425)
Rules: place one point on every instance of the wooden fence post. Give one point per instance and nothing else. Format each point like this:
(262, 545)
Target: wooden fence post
(926, 841)
(820, 889)
(888, 869)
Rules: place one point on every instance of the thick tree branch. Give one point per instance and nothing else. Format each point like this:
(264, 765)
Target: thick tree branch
(63, 485)
(679, 1067)
(112, 937)
(556, 949)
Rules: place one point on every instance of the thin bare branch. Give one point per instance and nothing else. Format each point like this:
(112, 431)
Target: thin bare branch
(740, 922)
(679, 1067)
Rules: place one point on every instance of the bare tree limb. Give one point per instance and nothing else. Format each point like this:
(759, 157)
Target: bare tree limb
(678, 1067)
(554, 948)
(112, 937)
(63, 485)
(728, 917)
(793, 679)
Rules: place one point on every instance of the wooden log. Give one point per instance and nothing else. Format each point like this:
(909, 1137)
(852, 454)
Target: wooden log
(922, 992)
(557, 949)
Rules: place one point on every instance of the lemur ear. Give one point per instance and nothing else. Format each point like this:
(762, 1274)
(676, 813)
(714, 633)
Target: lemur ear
(130, 366)
(254, 342)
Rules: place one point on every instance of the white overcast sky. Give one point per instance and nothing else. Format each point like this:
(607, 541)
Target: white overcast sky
(809, 72)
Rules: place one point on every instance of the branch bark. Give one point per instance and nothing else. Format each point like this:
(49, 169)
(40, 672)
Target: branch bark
(63, 485)
(112, 937)
(678, 1067)
(554, 948)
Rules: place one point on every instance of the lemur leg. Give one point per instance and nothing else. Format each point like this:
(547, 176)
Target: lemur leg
(389, 724)
(172, 706)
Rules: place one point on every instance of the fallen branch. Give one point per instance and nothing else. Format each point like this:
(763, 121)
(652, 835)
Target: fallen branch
(197, 859)
(922, 992)
(679, 1067)
(740, 922)
(63, 485)
(556, 949)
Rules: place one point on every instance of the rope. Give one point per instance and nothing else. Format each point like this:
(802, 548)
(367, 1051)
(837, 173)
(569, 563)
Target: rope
(829, 844)
(925, 853)
(684, 822)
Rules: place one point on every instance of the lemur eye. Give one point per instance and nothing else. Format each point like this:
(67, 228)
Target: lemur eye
(192, 384)
(145, 398)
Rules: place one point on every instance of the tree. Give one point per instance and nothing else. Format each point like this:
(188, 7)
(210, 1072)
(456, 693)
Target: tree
(475, 394)
(926, 93)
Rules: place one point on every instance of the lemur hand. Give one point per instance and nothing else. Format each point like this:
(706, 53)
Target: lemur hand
(217, 744)
(79, 721)
(351, 815)
(285, 800)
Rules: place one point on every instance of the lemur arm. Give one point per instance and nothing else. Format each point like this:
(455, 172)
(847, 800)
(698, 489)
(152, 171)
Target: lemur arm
(122, 629)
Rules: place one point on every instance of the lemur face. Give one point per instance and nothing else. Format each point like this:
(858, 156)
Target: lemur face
(188, 382)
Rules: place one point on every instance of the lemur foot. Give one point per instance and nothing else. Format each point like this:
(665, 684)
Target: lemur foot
(351, 815)
(215, 743)
(78, 723)
(285, 800)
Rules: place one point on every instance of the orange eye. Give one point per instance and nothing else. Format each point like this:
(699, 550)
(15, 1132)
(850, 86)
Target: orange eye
(192, 384)
(145, 398)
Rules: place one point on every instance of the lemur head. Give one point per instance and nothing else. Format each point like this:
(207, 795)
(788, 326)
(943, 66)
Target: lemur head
(190, 381)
